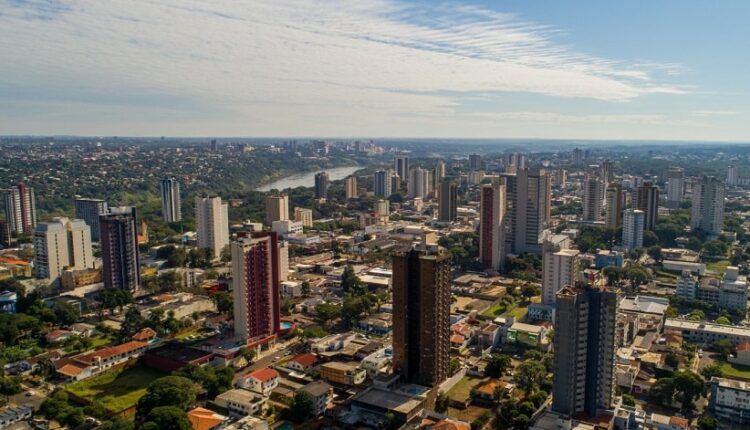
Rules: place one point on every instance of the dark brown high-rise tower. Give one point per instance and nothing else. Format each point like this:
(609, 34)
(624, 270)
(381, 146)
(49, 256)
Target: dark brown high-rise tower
(421, 313)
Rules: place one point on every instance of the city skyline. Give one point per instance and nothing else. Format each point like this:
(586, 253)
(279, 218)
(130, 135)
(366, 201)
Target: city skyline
(463, 70)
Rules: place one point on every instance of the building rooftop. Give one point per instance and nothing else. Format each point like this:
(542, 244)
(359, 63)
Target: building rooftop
(389, 399)
(317, 388)
(731, 383)
(263, 375)
(644, 304)
(727, 330)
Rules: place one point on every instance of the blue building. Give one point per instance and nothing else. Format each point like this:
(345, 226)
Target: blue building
(609, 258)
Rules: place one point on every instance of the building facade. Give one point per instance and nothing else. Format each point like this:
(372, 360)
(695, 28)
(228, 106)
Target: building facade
(527, 210)
(255, 283)
(212, 222)
(89, 210)
(303, 215)
(592, 199)
(119, 247)
(350, 187)
(613, 206)
(675, 186)
(447, 201)
(559, 267)
(171, 205)
(277, 208)
(322, 181)
(708, 205)
(647, 200)
(421, 311)
(491, 226)
(382, 186)
(20, 208)
(632, 228)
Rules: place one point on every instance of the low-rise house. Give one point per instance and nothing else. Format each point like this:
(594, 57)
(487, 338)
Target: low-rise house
(526, 334)
(10, 416)
(303, 362)
(343, 373)
(88, 364)
(376, 362)
(379, 324)
(701, 332)
(59, 335)
(486, 391)
(743, 355)
(241, 402)
(83, 329)
(146, 334)
(261, 381)
(321, 395)
(666, 422)
(204, 419)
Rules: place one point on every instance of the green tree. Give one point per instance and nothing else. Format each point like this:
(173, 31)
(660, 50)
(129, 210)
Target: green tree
(327, 312)
(224, 302)
(441, 403)
(132, 323)
(707, 422)
(724, 347)
(529, 375)
(697, 315)
(167, 391)
(167, 418)
(723, 320)
(305, 289)
(529, 291)
(689, 387)
(117, 423)
(628, 400)
(301, 407)
(497, 365)
(710, 371)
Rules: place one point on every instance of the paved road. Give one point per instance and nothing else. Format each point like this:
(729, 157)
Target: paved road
(269, 357)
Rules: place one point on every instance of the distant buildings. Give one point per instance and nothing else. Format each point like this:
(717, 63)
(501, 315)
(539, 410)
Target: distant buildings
(256, 271)
(303, 215)
(592, 199)
(171, 210)
(475, 161)
(708, 205)
(527, 209)
(20, 208)
(421, 310)
(322, 181)
(447, 201)
(675, 186)
(559, 266)
(61, 244)
(89, 210)
(491, 226)
(382, 186)
(632, 228)
(350, 187)
(212, 222)
(647, 200)
(614, 205)
(584, 351)
(119, 247)
(439, 172)
(277, 208)
(732, 178)
(401, 165)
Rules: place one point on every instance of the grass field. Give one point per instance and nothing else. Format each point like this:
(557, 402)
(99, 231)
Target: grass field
(519, 312)
(730, 370)
(718, 266)
(469, 414)
(460, 392)
(117, 390)
(494, 310)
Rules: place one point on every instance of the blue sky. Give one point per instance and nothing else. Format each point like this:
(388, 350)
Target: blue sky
(673, 70)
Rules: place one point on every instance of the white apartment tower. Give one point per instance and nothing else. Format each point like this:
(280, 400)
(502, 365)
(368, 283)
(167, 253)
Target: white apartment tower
(304, 215)
(212, 221)
(634, 221)
(61, 244)
(559, 266)
(708, 205)
(675, 186)
(171, 209)
(592, 199)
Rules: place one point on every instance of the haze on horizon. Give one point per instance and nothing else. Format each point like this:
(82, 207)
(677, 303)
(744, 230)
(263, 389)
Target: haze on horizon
(669, 70)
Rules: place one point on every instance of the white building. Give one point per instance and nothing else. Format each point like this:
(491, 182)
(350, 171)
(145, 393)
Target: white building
(61, 244)
(418, 185)
(261, 381)
(350, 187)
(240, 402)
(304, 215)
(708, 205)
(287, 227)
(592, 199)
(212, 221)
(170, 200)
(730, 401)
(733, 290)
(559, 266)
(382, 186)
(632, 228)
(732, 178)
(675, 186)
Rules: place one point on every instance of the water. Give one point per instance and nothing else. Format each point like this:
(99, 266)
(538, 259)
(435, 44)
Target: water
(285, 325)
(308, 179)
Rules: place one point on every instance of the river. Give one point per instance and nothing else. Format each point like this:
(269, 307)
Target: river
(308, 179)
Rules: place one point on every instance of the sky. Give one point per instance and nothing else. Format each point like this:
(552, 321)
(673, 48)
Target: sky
(636, 69)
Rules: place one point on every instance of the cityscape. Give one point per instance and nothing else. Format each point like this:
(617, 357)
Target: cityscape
(374, 215)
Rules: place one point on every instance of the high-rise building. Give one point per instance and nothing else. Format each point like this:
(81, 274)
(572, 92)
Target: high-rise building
(303, 215)
(559, 266)
(89, 210)
(382, 184)
(421, 313)
(277, 208)
(475, 161)
(439, 172)
(321, 185)
(708, 205)
(256, 275)
(592, 199)
(584, 351)
(527, 210)
(447, 201)
(61, 244)
(212, 222)
(383, 208)
(633, 224)
(559, 178)
(614, 205)
(118, 240)
(20, 208)
(419, 183)
(350, 187)
(647, 200)
(171, 209)
(675, 186)
(576, 156)
(732, 176)
(607, 171)
(401, 165)
(492, 225)
(5, 235)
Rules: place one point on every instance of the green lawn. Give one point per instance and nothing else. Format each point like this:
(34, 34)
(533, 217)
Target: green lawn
(460, 392)
(730, 370)
(519, 312)
(718, 266)
(117, 390)
(100, 342)
(494, 310)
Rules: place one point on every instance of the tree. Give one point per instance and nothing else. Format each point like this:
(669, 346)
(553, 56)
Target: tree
(613, 274)
(723, 320)
(697, 315)
(248, 354)
(650, 238)
(725, 347)
(707, 422)
(301, 407)
(710, 371)
(715, 248)
(529, 291)
(497, 365)
(326, 312)
(10, 385)
(116, 423)
(637, 275)
(441, 403)
(628, 400)
(167, 391)
(224, 302)
(671, 360)
(167, 418)
(132, 323)
(654, 252)
(689, 388)
(529, 375)
(305, 289)
(351, 283)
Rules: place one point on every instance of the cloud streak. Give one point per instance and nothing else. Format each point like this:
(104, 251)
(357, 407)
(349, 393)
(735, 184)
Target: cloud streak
(308, 60)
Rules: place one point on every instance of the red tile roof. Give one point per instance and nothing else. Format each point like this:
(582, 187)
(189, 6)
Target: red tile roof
(263, 375)
(105, 353)
(145, 334)
(457, 338)
(306, 360)
(677, 421)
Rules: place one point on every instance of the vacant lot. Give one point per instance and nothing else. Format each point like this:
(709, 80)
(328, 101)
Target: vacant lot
(460, 392)
(117, 390)
(717, 266)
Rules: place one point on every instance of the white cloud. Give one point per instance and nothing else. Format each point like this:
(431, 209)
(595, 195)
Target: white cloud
(307, 60)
